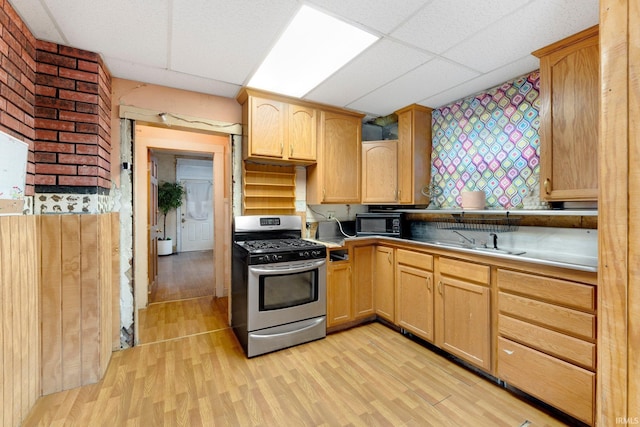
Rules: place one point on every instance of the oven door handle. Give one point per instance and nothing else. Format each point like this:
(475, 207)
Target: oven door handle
(289, 269)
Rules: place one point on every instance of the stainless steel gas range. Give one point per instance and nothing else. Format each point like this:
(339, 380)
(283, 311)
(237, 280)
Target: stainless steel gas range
(278, 289)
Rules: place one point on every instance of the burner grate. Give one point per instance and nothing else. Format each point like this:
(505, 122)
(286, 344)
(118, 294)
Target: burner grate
(277, 244)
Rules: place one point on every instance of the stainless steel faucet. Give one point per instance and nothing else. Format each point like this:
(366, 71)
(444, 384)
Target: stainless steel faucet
(472, 241)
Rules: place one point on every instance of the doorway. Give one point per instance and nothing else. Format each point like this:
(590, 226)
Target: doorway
(186, 271)
(185, 144)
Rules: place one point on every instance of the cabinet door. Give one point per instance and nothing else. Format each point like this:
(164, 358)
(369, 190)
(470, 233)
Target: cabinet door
(362, 281)
(414, 154)
(384, 283)
(340, 139)
(380, 171)
(338, 293)
(266, 127)
(569, 95)
(302, 133)
(415, 301)
(465, 321)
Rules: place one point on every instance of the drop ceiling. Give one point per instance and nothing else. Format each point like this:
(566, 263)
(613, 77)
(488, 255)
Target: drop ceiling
(430, 52)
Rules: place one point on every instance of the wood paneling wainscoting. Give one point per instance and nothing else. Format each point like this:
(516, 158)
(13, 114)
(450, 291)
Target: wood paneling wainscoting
(19, 314)
(79, 275)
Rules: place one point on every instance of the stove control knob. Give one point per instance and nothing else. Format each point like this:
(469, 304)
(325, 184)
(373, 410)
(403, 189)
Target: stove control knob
(267, 258)
(305, 254)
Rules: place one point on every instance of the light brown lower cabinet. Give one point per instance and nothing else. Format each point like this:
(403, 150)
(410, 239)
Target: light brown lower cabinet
(338, 293)
(547, 340)
(463, 311)
(414, 293)
(384, 282)
(363, 295)
(350, 287)
(552, 380)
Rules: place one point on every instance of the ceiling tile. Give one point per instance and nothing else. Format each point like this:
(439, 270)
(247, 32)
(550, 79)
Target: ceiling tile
(136, 72)
(483, 82)
(226, 40)
(38, 21)
(129, 30)
(381, 63)
(445, 23)
(421, 83)
(381, 15)
(538, 24)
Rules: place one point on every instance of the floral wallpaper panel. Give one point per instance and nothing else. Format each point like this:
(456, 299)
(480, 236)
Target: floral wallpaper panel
(489, 142)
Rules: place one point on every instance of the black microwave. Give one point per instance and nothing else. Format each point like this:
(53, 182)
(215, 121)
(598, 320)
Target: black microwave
(379, 224)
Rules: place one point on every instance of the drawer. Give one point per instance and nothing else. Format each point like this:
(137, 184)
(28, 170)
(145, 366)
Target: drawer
(562, 319)
(560, 384)
(563, 292)
(560, 345)
(464, 270)
(415, 259)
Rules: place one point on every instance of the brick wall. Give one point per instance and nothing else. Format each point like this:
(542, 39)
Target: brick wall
(58, 100)
(17, 83)
(72, 121)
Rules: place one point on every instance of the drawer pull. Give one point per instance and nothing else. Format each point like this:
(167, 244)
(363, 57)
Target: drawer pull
(509, 352)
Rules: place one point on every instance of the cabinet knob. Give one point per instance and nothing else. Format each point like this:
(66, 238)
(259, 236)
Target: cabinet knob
(290, 150)
(429, 283)
(440, 287)
(547, 186)
(281, 148)
(389, 257)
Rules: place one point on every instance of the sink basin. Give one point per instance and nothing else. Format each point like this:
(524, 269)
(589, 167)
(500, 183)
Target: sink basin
(500, 251)
(451, 245)
(477, 248)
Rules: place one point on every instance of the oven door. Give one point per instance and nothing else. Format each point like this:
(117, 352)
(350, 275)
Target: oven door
(282, 293)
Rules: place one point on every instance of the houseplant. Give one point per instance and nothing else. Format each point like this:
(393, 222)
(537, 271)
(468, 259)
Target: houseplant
(169, 198)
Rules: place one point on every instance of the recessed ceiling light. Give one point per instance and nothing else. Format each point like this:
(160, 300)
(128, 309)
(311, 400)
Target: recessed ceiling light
(313, 47)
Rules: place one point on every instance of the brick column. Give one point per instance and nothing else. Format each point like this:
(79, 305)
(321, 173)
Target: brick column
(72, 121)
(17, 83)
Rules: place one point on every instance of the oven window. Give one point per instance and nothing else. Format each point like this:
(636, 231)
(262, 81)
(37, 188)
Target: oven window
(288, 290)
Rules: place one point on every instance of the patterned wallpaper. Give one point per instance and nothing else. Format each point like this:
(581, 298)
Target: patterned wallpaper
(489, 141)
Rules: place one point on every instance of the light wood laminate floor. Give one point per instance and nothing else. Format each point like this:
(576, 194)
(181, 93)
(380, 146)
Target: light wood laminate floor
(366, 376)
(175, 319)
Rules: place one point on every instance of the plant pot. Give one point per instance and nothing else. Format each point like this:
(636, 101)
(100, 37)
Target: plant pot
(165, 247)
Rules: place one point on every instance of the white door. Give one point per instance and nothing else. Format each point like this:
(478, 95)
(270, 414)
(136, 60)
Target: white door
(197, 216)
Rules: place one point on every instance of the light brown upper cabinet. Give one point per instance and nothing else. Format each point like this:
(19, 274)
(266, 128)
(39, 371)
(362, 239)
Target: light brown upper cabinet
(414, 154)
(276, 129)
(569, 95)
(335, 178)
(380, 171)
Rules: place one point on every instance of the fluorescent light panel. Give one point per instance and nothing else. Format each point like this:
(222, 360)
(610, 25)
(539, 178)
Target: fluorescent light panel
(313, 47)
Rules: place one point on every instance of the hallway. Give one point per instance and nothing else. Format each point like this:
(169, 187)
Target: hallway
(184, 275)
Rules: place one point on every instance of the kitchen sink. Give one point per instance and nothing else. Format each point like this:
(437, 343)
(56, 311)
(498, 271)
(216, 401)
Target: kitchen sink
(451, 245)
(500, 251)
(477, 248)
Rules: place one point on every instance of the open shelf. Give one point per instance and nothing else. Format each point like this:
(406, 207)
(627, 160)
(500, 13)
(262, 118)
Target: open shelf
(268, 189)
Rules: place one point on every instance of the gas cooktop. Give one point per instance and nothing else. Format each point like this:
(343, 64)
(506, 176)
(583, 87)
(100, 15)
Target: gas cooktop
(272, 245)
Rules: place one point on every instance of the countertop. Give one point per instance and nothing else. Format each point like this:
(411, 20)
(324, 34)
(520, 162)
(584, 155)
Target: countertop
(562, 260)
